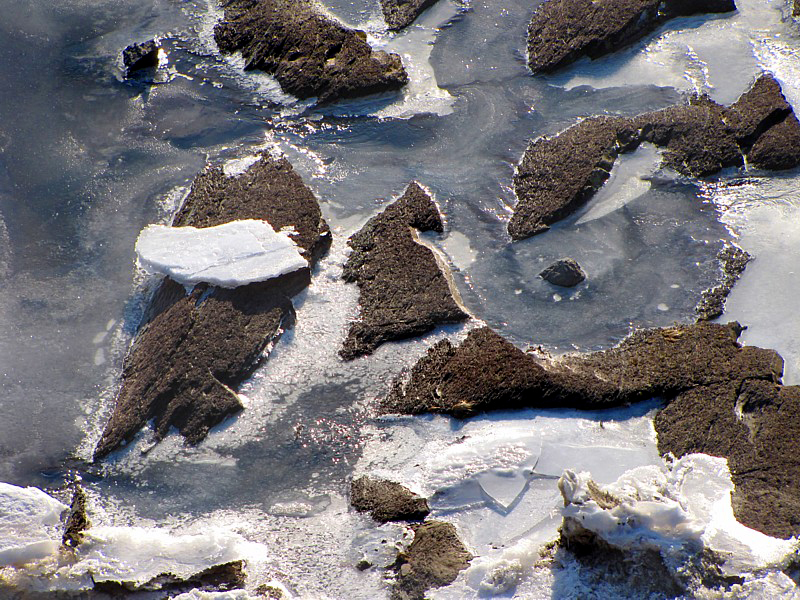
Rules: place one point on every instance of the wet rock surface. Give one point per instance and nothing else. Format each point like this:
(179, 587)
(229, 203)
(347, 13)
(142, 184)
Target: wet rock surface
(433, 559)
(193, 351)
(77, 520)
(559, 174)
(401, 13)
(387, 501)
(565, 273)
(403, 291)
(562, 31)
(733, 262)
(137, 57)
(309, 53)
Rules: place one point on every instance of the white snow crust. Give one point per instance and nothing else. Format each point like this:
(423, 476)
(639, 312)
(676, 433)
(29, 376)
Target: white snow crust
(29, 519)
(228, 255)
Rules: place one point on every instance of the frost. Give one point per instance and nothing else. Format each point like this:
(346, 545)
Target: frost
(229, 255)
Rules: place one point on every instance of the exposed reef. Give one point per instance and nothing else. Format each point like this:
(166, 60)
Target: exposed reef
(194, 350)
(721, 399)
(387, 501)
(403, 291)
(401, 13)
(559, 174)
(562, 31)
(309, 53)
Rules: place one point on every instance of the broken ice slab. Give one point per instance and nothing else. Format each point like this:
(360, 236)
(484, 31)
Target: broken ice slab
(229, 255)
(606, 463)
(30, 523)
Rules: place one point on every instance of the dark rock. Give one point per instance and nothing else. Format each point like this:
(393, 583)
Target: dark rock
(733, 261)
(227, 576)
(401, 13)
(559, 174)
(193, 351)
(796, 8)
(433, 559)
(562, 31)
(363, 565)
(270, 592)
(403, 291)
(565, 273)
(387, 501)
(77, 520)
(140, 56)
(310, 54)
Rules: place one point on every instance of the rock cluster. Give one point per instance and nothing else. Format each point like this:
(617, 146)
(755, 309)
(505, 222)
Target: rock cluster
(194, 350)
(403, 291)
(562, 31)
(310, 54)
(722, 399)
(559, 174)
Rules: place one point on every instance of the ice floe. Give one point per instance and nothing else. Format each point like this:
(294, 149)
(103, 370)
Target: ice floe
(29, 524)
(228, 255)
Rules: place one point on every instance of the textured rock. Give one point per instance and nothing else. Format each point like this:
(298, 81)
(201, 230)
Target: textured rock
(140, 56)
(227, 576)
(565, 273)
(562, 31)
(310, 54)
(733, 261)
(403, 291)
(194, 350)
(77, 520)
(558, 174)
(401, 13)
(433, 559)
(387, 500)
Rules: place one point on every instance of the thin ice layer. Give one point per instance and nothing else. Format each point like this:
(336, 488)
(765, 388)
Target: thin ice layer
(28, 520)
(229, 255)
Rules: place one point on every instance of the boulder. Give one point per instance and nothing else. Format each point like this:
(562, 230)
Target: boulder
(309, 53)
(733, 261)
(77, 520)
(565, 273)
(403, 290)
(401, 13)
(387, 501)
(219, 578)
(562, 31)
(140, 56)
(194, 350)
(559, 174)
(434, 559)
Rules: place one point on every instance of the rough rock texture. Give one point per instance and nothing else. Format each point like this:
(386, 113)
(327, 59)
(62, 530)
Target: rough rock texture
(433, 559)
(227, 576)
(310, 54)
(194, 350)
(403, 291)
(559, 174)
(387, 501)
(565, 273)
(721, 399)
(77, 520)
(733, 261)
(796, 8)
(140, 56)
(562, 31)
(401, 13)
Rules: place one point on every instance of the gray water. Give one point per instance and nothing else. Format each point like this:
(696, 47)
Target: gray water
(87, 159)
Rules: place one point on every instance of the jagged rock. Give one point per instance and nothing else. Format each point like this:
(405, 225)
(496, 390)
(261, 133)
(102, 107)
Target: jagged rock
(559, 174)
(796, 8)
(194, 350)
(140, 56)
(227, 576)
(309, 53)
(403, 291)
(387, 501)
(401, 13)
(733, 261)
(433, 559)
(565, 273)
(77, 520)
(562, 31)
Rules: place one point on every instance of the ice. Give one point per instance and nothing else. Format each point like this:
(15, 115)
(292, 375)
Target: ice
(228, 255)
(29, 521)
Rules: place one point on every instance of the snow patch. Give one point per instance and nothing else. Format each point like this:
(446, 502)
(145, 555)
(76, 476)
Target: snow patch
(29, 524)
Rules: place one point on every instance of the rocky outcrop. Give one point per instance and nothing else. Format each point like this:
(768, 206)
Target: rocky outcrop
(401, 13)
(387, 501)
(433, 559)
(562, 31)
(219, 578)
(559, 174)
(403, 291)
(77, 520)
(732, 261)
(310, 54)
(721, 399)
(137, 57)
(194, 350)
(565, 273)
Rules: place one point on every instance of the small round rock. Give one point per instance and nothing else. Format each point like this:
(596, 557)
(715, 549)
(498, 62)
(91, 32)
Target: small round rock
(565, 273)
